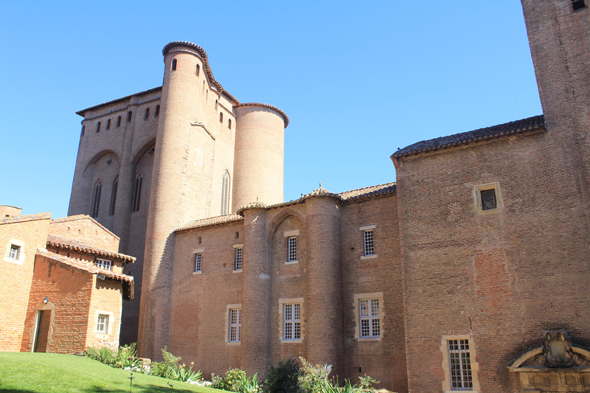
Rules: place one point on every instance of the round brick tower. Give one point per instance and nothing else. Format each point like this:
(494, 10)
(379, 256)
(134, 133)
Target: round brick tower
(171, 200)
(259, 154)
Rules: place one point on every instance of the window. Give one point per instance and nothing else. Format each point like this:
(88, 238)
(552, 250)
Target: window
(157, 113)
(119, 121)
(108, 124)
(235, 325)
(98, 127)
(488, 199)
(14, 252)
(225, 194)
(104, 264)
(229, 123)
(292, 249)
(460, 365)
(103, 324)
(129, 116)
(368, 244)
(221, 117)
(216, 104)
(147, 114)
(238, 259)
(370, 324)
(198, 259)
(578, 4)
(292, 321)
(83, 130)
(173, 66)
(114, 196)
(198, 69)
(137, 192)
(96, 199)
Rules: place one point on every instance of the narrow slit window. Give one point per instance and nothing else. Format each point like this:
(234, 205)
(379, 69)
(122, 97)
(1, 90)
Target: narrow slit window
(173, 66)
(488, 199)
(119, 121)
(129, 116)
(108, 124)
(83, 130)
(147, 114)
(198, 69)
(238, 259)
(292, 321)
(292, 249)
(96, 199)
(157, 112)
(225, 194)
(460, 365)
(235, 325)
(198, 259)
(221, 117)
(137, 192)
(98, 127)
(578, 4)
(229, 123)
(114, 196)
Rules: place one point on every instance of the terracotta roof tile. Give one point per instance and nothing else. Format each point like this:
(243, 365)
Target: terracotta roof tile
(141, 93)
(367, 192)
(206, 222)
(274, 108)
(514, 127)
(68, 244)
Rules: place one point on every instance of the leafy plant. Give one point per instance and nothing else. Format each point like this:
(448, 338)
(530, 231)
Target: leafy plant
(104, 355)
(248, 385)
(284, 378)
(167, 367)
(366, 383)
(235, 380)
(127, 357)
(313, 378)
(183, 374)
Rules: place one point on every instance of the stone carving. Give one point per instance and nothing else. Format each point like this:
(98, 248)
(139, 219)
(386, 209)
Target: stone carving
(558, 351)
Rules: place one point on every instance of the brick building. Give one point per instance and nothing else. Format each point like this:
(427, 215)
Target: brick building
(467, 274)
(63, 286)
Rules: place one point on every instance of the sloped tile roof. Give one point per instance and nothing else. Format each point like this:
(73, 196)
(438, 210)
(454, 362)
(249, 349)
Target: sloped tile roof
(511, 128)
(367, 192)
(206, 222)
(272, 107)
(68, 244)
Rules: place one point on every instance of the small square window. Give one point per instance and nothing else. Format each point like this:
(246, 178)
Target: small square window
(198, 258)
(14, 252)
(103, 324)
(488, 199)
(578, 4)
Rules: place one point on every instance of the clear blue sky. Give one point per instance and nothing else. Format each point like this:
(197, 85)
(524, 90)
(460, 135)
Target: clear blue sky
(358, 79)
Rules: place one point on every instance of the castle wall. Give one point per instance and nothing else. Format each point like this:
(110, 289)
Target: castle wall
(29, 232)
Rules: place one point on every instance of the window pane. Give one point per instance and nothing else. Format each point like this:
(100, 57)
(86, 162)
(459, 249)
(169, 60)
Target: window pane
(488, 199)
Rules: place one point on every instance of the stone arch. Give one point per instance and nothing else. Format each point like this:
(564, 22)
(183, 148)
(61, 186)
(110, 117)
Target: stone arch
(105, 166)
(151, 144)
(279, 218)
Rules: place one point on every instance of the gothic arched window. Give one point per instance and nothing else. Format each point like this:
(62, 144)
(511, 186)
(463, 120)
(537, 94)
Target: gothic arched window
(137, 192)
(114, 196)
(96, 199)
(225, 194)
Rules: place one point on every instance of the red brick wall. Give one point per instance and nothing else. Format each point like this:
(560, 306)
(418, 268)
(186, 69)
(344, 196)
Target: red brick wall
(106, 299)
(15, 278)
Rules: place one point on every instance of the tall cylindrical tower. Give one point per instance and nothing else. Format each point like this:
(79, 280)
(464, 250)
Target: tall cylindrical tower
(170, 205)
(259, 154)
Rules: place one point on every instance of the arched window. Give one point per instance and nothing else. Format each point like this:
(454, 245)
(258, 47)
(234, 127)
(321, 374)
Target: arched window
(173, 67)
(137, 192)
(119, 121)
(221, 117)
(198, 69)
(157, 113)
(225, 194)
(229, 123)
(114, 196)
(96, 199)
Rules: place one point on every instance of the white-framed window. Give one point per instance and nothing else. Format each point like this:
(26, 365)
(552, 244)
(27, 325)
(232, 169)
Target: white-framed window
(102, 325)
(368, 244)
(292, 321)
(14, 252)
(460, 367)
(235, 325)
(238, 259)
(292, 249)
(370, 323)
(198, 262)
(104, 264)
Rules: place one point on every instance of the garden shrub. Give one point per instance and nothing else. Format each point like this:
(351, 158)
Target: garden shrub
(284, 378)
(235, 380)
(313, 378)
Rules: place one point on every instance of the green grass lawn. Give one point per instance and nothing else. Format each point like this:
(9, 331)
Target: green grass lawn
(47, 372)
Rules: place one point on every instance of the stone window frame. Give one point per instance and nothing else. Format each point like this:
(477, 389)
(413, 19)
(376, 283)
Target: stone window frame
(288, 235)
(478, 202)
(236, 248)
(194, 254)
(446, 383)
(282, 303)
(229, 307)
(110, 322)
(368, 228)
(357, 315)
(21, 254)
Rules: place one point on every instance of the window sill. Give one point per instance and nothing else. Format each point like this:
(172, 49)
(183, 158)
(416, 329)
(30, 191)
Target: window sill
(291, 262)
(233, 342)
(237, 271)
(296, 341)
(467, 391)
(368, 257)
(12, 260)
(199, 272)
(490, 211)
(370, 338)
